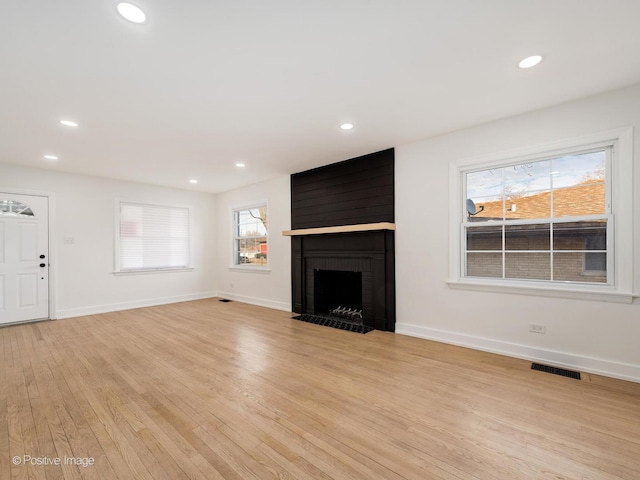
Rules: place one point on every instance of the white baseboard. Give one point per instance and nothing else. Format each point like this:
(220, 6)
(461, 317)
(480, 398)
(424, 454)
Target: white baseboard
(607, 368)
(261, 302)
(115, 307)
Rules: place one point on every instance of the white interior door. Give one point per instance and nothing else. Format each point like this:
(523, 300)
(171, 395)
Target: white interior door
(24, 258)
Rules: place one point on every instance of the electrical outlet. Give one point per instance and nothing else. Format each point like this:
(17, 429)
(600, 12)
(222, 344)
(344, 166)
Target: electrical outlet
(535, 328)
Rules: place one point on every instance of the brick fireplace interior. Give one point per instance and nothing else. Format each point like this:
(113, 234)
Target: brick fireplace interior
(342, 219)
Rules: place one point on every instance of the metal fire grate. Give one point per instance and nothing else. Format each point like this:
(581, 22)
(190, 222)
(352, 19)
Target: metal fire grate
(334, 323)
(556, 371)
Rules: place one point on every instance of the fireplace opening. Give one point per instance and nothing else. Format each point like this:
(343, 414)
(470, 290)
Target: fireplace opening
(338, 294)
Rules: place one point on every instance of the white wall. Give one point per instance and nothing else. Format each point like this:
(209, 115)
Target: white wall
(84, 208)
(582, 334)
(272, 287)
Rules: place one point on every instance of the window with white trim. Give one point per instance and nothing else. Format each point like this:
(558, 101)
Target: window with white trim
(542, 219)
(250, 237)
(539, 220)
(152, 237)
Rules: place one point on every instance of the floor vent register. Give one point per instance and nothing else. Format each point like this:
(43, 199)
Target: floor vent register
(556, 371)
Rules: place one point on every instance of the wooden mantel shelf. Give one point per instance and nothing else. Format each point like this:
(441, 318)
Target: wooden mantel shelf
(363, 227)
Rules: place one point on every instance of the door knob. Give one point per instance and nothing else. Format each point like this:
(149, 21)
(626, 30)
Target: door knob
(41, 256)
(43, 265)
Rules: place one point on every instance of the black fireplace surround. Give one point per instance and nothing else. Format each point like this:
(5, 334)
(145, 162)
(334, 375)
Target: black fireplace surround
(348, 269)
(366, 257)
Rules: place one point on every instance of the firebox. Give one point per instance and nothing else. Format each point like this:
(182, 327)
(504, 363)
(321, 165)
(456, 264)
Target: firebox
(338, 293)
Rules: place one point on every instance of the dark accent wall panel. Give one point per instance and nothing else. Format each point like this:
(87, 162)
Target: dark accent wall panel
(360, 190)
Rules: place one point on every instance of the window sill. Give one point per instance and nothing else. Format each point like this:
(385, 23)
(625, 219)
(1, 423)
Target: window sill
(152, 270)
(250, 269)
(558, 291)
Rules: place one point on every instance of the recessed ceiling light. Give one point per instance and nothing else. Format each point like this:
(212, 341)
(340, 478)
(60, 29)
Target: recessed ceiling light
(530, 61)
(50, 157)
(131, 12)
(346, 126)
(193, 180)
(240, 165)
(69, 123)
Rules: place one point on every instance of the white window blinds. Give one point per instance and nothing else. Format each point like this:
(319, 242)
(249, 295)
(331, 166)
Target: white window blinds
(153, 237)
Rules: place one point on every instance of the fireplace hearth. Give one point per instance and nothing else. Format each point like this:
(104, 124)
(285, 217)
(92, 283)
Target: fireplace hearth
(334, 323)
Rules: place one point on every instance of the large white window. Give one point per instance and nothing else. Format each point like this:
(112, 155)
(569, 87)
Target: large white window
(152, 237)
(538, 220)
(250, 237)
(554, 219)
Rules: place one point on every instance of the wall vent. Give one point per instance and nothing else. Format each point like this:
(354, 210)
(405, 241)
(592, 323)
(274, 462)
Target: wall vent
(556, 371)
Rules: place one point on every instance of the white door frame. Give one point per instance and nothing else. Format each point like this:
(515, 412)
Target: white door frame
(52, 251)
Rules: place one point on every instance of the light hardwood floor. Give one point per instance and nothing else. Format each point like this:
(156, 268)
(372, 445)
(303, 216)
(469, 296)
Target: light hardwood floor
(209, 390)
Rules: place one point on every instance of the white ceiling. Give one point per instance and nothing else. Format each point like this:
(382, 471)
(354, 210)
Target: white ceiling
(208, 83)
